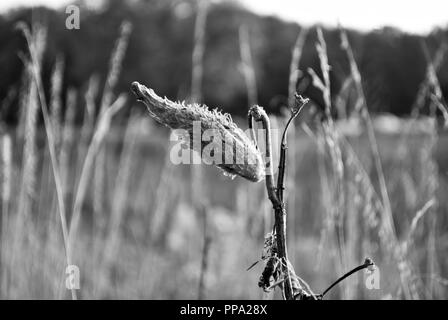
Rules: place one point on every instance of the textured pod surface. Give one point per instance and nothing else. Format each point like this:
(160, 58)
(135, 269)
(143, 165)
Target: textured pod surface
(239, 154)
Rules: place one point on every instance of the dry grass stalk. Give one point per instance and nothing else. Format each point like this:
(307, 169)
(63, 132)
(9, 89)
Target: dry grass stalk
(247, 66)
(160, 198)
(361, 184)
(434, 89)
(428, 192)
(419, 215)
(331, 146)
(247, 161)
(55, 100)
(88, 123)
(292, 154)
(202, 288)
(424, 91)
(198, 192)
(433, 67)
(25, 83)
(6, 156)
(100, 132)
(198, 51)
(35, 64)
(120, 198)
(68, 136)
(29, 149)
(387, 231)
(115, 65)
(30, 110)
(429, 91)
(343, 98)
(294, 71)
(370, 131)
(431, 260)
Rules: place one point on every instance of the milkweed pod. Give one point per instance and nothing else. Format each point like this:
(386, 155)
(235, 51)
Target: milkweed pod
(237, 153)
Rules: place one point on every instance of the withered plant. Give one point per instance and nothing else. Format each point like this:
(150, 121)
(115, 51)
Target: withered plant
(278, 270)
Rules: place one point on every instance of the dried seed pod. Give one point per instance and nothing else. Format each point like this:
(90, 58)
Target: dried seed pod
(238, 154)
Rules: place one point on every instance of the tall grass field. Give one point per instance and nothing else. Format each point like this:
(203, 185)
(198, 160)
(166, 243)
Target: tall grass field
(87, 181)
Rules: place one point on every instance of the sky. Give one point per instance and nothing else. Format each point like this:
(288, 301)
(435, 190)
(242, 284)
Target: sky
(408, 15)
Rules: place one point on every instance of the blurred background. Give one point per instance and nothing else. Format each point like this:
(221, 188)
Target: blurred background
(86, 176)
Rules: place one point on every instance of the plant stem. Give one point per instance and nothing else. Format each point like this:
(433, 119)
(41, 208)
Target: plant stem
(367, 263)
(205, 256)
(299, 103)
(260, 115)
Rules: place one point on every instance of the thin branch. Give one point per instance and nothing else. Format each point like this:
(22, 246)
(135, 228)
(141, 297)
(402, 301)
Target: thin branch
(300, 102)
(260, 115)
(367, 263)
